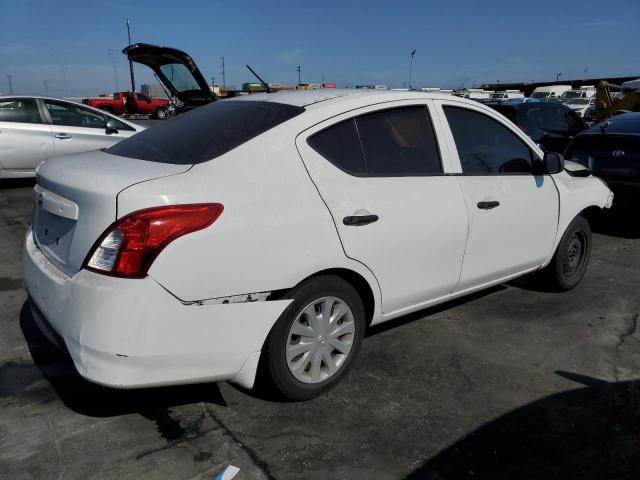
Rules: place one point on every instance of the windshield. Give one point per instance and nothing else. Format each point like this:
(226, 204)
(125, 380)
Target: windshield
(180, 77)
(540, 94)
(578, 101)
(571, 94)
(205, 132)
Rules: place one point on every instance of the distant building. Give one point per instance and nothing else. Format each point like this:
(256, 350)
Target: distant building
(153, 91)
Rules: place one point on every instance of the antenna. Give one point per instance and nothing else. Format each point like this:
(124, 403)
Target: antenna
(264, 84)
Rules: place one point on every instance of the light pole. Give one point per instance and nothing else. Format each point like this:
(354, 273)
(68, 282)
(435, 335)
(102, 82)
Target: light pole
(558, 75)
(10, 84)
(133, 82)
(111, 53)
(413, 53)
(46, 86)
(299, 75)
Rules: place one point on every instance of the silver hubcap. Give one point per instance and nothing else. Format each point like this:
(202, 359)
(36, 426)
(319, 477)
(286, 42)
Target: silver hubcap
(320, 340)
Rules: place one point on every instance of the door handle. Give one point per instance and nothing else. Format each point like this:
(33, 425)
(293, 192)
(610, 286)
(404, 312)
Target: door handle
(63, 136)
(355, 220)
(488, 204)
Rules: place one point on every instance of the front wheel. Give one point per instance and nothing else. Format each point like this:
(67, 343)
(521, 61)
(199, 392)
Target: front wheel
(571, 259)
(313, 344)
(161, 113)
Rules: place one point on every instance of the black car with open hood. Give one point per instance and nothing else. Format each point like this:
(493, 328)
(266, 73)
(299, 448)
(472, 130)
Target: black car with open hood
(176, 70)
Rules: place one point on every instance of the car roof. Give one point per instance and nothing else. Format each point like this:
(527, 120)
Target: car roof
(306, 98)
(625, 123)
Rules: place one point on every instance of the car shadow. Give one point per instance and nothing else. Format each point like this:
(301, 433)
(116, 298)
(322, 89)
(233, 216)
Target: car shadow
(94, 400)
(6, 183)
(619, 221)
(592, 432)
(426, 312)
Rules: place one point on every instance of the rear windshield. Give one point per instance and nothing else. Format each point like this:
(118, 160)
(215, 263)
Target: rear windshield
(205, 132)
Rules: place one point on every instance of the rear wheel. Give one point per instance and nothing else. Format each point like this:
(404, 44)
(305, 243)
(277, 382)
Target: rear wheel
(571, 259)
(313, 344)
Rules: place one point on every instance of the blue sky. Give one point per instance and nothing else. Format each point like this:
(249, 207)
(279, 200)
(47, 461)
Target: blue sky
(458, 43)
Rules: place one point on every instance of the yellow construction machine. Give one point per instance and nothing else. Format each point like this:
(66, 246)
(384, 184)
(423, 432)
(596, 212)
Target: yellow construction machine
(606, 104)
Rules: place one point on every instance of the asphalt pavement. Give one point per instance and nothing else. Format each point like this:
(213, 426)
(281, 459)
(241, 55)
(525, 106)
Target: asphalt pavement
(515, 382)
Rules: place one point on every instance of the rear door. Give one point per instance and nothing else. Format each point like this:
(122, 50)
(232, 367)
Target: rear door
(383, 175)
(25, 139)
(513, 213)
(78, 129)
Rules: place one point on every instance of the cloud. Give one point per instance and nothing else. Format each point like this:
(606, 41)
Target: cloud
(289, 56)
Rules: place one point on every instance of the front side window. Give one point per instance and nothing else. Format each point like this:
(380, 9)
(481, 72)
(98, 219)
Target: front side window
(20, 110)
(70, 115)
(485, 146)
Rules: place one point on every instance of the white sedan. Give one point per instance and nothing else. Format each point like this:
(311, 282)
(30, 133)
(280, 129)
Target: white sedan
(260, 236)
(33, 129)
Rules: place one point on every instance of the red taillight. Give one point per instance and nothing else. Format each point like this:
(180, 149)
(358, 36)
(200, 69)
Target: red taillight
(129, 246)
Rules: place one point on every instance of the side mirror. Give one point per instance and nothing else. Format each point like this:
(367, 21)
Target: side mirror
(553, 162)
(110, 128)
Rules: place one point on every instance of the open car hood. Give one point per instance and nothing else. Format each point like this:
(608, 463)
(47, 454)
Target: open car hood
(176, 70)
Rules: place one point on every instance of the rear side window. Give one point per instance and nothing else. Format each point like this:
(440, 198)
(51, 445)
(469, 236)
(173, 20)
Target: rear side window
(340, 145)
(21, 110)
(399, 142)
(485, 146)
(391, 143)
(205, 132)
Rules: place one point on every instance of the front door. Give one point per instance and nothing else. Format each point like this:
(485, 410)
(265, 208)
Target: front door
(382, 175)
(513, 213)
(77, 129)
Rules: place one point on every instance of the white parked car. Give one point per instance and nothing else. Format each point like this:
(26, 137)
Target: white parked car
(262, 235)
(580, 105)
(550, 92)
(33, 129)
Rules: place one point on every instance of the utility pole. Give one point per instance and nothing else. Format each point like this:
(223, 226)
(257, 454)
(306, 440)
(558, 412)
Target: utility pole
(299, 75)
(558, 75)
(585, 73)
(112, 54)
(133, 82)
(63, 69)
(46, 86)
(413, 53)
(224, 82)
(213, 82)
(10, 84)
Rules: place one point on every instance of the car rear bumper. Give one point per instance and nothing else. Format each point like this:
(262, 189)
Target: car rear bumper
(128, 333)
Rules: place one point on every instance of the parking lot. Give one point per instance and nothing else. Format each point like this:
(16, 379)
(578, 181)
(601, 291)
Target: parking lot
(514, 382)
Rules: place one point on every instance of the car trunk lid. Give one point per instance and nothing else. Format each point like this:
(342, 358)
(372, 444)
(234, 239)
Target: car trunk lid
(76, 200)
(176, 70)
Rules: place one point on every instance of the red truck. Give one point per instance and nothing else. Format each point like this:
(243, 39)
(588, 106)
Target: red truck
(127, 103)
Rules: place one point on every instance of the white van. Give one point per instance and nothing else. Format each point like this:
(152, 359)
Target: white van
(550, 92)
(477, 93)
(587, 92)
(506, 95)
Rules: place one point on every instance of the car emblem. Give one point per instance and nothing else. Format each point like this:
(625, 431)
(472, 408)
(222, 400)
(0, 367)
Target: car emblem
(618, 153)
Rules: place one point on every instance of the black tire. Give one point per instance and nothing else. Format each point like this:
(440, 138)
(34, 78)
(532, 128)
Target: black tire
(275, 371)
(161, 113)
(571, 259)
